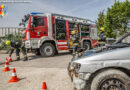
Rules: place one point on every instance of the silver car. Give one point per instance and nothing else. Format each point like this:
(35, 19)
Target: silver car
(108, 70)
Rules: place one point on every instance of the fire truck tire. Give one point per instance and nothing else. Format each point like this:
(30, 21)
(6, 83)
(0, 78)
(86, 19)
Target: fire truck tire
(37, 52)
(71, 51)
(86, 45)
(47, 50)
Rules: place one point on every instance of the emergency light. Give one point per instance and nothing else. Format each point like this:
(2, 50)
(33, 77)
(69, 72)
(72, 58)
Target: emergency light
(36, 13)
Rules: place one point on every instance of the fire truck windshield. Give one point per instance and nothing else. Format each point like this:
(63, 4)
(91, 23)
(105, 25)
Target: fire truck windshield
(37, 21)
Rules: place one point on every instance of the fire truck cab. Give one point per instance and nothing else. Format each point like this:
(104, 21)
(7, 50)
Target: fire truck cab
(49, 33)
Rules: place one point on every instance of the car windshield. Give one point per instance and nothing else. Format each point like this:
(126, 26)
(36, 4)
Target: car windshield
(93, 51)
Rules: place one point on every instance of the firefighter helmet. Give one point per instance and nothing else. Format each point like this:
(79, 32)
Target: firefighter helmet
(73, 32)
(8, 42)
(102, 28)
(2, 6)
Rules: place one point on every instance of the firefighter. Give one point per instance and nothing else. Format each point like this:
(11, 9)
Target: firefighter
(102, 37)
(17, 45)
(75, 37)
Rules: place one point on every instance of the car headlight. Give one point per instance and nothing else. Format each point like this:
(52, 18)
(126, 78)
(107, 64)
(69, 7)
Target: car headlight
(76, 66)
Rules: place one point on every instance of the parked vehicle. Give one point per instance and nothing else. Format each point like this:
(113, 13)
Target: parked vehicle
(124, 41)
(49, 33)
(108, 70)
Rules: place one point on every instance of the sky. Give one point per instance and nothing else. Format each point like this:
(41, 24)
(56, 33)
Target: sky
(88, 9)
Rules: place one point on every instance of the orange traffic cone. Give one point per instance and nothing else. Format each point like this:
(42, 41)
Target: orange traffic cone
(10, 59)
(6, 60)
(14, 77)
(6, 67)
(44, 87)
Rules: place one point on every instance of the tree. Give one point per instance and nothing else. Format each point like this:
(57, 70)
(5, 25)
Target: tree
(117, 18)
(100, 21)
(24, 20)
(108, 23)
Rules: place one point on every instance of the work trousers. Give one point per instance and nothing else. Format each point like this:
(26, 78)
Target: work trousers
(22, 48)
(75, 49)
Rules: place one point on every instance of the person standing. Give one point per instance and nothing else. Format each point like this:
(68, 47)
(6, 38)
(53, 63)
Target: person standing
(75, 37)
(102, 37)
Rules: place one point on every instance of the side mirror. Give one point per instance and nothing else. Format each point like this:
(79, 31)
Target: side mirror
(32, 25)
(30, 29)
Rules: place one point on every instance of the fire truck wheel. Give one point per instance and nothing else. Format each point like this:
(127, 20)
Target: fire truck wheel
(37, 52)
(86, 45)
(71, 51)
(47, 50)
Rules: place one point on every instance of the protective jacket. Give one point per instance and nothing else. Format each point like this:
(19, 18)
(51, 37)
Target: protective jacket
(18, 46)
(102, 36)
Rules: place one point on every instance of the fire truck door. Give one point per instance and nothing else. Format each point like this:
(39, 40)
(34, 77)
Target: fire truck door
(40, 27)
(61, 34)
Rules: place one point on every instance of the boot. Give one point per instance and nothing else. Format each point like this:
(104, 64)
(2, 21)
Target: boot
(25, 58)
(18, 58)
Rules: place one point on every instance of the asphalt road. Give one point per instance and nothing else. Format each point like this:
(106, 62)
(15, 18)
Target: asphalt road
(37, 69)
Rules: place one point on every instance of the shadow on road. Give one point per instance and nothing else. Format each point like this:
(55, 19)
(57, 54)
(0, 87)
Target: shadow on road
(63, 53)
(33, 57)
(2, 63)
(22, 78)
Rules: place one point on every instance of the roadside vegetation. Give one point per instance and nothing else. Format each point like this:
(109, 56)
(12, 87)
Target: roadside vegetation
(10, 37)
(116, 21)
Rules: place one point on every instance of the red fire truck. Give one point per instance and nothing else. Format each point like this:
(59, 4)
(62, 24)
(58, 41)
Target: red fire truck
(49, 33)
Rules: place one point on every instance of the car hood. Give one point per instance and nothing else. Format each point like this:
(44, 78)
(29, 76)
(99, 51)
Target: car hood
(115, 54)
(89, 52)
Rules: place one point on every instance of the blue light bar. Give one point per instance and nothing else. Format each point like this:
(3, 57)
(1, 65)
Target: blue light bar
(35, 13)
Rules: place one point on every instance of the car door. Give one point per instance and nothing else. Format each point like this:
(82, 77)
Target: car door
(40, 26)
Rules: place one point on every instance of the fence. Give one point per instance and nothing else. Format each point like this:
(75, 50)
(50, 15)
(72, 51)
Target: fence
(9, 30)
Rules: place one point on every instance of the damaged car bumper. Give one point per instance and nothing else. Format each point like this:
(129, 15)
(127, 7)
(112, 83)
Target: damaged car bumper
(80, 80)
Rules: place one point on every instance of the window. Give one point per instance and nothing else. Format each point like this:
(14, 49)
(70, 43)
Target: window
(71, 26)
(38, 21)
(60, 30)
(85, 30)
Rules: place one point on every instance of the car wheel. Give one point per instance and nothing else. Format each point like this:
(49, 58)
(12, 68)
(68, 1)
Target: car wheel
(47, 50)
(86, 45)
(110, 80)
